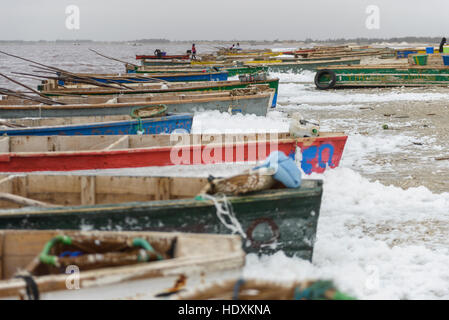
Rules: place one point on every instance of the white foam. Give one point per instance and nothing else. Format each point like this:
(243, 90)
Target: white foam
(365, 265)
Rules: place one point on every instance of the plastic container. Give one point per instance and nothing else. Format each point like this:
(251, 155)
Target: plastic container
(430, 50)
(446, 60)
(421, 59)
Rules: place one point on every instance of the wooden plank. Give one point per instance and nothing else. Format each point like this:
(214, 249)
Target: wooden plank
(126, 185)
(163, 189)
(88, 190)
(186, 187)
(4, 145)
(53, 184)
(121, 143)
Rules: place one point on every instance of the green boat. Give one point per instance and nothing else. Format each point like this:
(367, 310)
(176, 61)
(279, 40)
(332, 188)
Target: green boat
(381, 76)
(273, 219)
(299, 66)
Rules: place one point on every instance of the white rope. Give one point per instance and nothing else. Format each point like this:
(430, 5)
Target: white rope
(224, 208)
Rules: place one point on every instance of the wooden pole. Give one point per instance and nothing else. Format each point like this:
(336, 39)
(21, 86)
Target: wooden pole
(110, 58)
(23, 201)
(29, 88)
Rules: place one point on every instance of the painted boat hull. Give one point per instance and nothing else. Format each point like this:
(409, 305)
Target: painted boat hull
(233, 71)
(219, 257)
(183, 77)
(390, 76)
(316, 154)
(160, 125)
(230, 85)
(256, 104)
(165, 63)
(297, 67)
(166, 57)
(280, 219)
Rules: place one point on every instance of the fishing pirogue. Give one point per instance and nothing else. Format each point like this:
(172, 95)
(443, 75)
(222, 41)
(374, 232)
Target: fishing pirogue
(96, 125)
(68, 153)
(51, 88)
(257, 289)
(254, 99)
(112, 265)
(299, 66)
(381, 76)
(198, 75)
(270, 216)
(231, 69)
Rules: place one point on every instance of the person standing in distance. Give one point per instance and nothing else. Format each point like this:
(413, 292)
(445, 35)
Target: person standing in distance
(442, 43)
(193, 52)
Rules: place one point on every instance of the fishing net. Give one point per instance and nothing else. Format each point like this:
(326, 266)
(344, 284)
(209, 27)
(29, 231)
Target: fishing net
(246, 182)
(149, 111)
(92, 252)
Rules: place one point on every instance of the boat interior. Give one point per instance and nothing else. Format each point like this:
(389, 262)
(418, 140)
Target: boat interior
(75, 190)
(108, 256)
(50, 190)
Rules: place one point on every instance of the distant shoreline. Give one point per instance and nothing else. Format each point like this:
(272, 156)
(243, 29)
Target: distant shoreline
(358, 41)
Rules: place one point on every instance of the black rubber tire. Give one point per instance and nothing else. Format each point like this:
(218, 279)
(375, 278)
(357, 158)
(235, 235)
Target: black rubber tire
(325, 86)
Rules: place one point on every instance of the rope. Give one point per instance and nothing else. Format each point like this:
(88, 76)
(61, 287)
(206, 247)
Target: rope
(32, 290)
(224, 208)
(236, 291)
(320, 290)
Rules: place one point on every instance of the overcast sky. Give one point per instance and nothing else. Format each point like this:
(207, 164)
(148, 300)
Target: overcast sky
(221, 19)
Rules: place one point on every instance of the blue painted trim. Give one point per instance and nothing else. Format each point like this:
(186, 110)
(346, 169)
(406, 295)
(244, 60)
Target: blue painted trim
(150, 126)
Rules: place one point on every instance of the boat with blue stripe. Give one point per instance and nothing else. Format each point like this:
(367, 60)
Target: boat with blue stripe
(97, 126)
(143, 77)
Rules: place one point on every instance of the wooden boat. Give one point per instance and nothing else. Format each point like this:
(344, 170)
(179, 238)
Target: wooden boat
(68, 153)
(272, 219)
(262, 62)
(53, 89)
(299, 66)
(256, 289)
(252, 100)
(172, 62)
(393, 75)
(130, 78)
(100, 125)
(164, 57)
(202, 64)
(28, 271)
(232, 71)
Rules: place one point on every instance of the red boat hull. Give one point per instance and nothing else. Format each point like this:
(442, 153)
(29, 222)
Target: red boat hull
(318, 154)
(179, 56)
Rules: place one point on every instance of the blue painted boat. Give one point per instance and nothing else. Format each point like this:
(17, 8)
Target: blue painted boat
(169, 77)
(166, 124)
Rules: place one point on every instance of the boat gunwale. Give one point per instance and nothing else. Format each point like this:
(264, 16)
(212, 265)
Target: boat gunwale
(308, 140)
(143, 104)
(316, 189)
